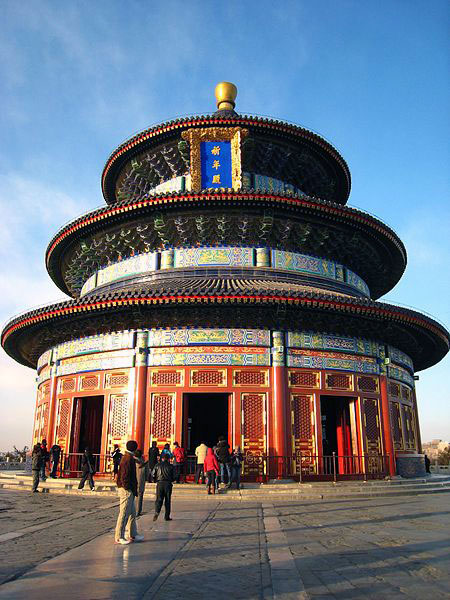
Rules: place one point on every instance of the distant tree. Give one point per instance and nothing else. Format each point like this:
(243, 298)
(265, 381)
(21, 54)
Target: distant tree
(21, 454)
(444, 457)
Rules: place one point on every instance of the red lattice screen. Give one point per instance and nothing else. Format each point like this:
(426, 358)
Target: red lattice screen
(118, 415)
(302, 409)
(409, 429)
(394, 389)
(116, 380)
(68, 385)
(304, 379)
(372, 426)
(337, 381)
(162, 417)
(253, 410)
(367, 384)
(62, 432)
(207, 377)
(166, 378)
(90, 383)
(250, 377)
(396, 426)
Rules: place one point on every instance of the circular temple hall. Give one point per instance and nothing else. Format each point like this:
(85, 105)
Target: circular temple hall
(225, 288)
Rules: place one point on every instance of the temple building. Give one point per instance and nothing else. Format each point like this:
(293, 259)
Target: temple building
(226, 288)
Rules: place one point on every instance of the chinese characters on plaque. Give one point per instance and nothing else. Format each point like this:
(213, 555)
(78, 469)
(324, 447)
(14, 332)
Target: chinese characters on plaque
(216, 164)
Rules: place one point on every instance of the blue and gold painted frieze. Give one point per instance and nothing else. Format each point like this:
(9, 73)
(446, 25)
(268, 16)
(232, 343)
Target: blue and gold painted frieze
(213, 256)
(102, 361)
(323, 341)
(208, 355)
(355, 281)
(400, 358)
(401, 374)
(95, 343)
(332, 360)
(44, 359)
(215, 337)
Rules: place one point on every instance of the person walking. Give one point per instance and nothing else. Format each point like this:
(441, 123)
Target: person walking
(200, 453)
(127, 490)
(224, 458)
(153, 455)
(36, 462)
(116, 456)
(87, 470)
(211, 467)
(45, 459)
(163, 474)
(179, 458)
(236, 466)
(55, 454)
(142, 476)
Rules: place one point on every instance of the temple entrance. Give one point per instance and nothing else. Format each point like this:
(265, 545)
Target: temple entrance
(206, 418)
(339, 434)
(87, 424)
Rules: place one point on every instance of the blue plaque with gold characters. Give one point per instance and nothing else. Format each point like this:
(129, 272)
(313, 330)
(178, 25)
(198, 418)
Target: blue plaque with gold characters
(215, 159)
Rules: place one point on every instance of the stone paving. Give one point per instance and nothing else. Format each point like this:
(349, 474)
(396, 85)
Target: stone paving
(346, 549)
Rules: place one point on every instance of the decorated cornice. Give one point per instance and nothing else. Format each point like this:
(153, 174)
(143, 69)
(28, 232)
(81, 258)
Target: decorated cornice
(103, 218)
(426, 328)
(279, 128)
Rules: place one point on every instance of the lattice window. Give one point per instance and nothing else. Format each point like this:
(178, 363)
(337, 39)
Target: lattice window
(394, 389)
(68, 385)
(63, 419)
(406, 394)
(367, 384)
(253, 409)
(162, 416)
(250, 377)
(409, 429)
(46, 390)
(396, 426)
(166, 378)
(91, 382)
(372, 425)
(118, 412)
(304, 379)
(301, 413)
(116, 380)
(208, 377)
(339, 381)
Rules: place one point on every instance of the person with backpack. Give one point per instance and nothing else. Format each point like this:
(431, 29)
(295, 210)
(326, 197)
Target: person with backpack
(224, 458)
(236, 466)
(116, 456)
(211, 467)
(179, 457)
(166, 452)
(36, 463)
(87, 470)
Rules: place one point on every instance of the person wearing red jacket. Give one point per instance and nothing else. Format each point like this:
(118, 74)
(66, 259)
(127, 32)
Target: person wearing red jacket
(179, 456)
(211, 467)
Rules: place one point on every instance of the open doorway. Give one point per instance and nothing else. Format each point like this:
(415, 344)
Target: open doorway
(206, 419)
(87, 424)
(339, 432)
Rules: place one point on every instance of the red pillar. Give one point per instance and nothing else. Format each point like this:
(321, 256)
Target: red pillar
(387, 433)
(279, 401)
(140, 396)
(52, 407)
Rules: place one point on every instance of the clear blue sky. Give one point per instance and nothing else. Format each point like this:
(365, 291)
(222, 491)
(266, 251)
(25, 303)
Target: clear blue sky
(77, 78)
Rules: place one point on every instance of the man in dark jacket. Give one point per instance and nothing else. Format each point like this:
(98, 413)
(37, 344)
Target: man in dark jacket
(153, 454)
(164, 475)
(224, 458)
(127, 489)
(55, 453)
(45, 455)
(36, 463)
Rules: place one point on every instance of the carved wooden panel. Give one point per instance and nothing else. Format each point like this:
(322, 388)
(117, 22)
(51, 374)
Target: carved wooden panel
(409, 428)
(67, 385)
(116, 380)
(258, 378)
(406, 393)
(396, 426)
(89, 382)
(394, 389)
(302, 417)
(304, 379)
(63, 423)
(161, 419)
(167, 377)
(208, 377)
(253, 432)
(372, 426)
(41, 423)
(118, 422)
(338, 381)
(367, 384)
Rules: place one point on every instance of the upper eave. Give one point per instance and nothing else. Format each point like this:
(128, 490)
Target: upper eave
(281, 129)
(104, 217)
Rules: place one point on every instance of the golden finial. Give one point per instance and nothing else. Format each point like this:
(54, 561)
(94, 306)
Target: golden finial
(225, 95)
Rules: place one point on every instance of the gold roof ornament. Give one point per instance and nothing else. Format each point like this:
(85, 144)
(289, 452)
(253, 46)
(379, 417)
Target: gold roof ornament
(226, 93)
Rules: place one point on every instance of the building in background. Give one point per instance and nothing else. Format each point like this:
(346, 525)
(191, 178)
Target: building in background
(433, 448)
(226, 288)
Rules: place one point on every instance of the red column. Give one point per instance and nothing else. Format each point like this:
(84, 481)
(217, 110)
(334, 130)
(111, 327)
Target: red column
(52, 407)
(279, 401)
(140, 396)
(386, 425)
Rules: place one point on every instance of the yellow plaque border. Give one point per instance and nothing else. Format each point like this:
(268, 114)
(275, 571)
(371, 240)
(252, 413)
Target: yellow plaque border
(215, 134)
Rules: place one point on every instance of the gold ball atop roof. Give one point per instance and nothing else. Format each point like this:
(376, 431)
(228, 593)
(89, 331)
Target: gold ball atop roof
(225, 95)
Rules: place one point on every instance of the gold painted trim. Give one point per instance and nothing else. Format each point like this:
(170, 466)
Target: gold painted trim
(212, 134)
